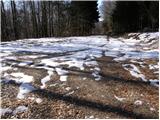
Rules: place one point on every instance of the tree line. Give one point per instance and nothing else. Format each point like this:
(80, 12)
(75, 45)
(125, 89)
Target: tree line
(130, 16)
(35, 19)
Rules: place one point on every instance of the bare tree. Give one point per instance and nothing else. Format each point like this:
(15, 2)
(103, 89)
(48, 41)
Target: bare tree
(15, 19)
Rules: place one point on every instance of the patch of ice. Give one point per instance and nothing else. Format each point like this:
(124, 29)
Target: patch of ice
(24, 89)
(4, 111)
(20, 109)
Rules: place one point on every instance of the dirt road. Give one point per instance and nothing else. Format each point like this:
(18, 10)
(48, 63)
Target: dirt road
(80, 77)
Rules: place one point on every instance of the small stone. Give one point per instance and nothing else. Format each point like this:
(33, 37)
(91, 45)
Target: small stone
(152, 109)
(38, 100)
(138, 102)
(68, 88)
(91, 117)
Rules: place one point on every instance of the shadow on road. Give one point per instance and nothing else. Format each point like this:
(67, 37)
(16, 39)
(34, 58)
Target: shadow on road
(86, 103)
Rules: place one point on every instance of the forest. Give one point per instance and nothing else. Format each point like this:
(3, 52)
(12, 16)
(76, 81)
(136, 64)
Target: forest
(36, 19)
(70, 59)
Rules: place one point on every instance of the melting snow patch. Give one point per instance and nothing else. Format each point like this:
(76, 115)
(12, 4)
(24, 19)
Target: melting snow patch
(32, 56)
(50, 62)
(96, 75)
(20, 109)
(63, 78)
(75, 63)
(46, 79)
(97, 69)
(24, 89)
(112, 53)
(134, 71)
(91, 63)
(21, 78)
(5, 68)
(153, 67)
(62, 73)
(154, 82)
(4, 111)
